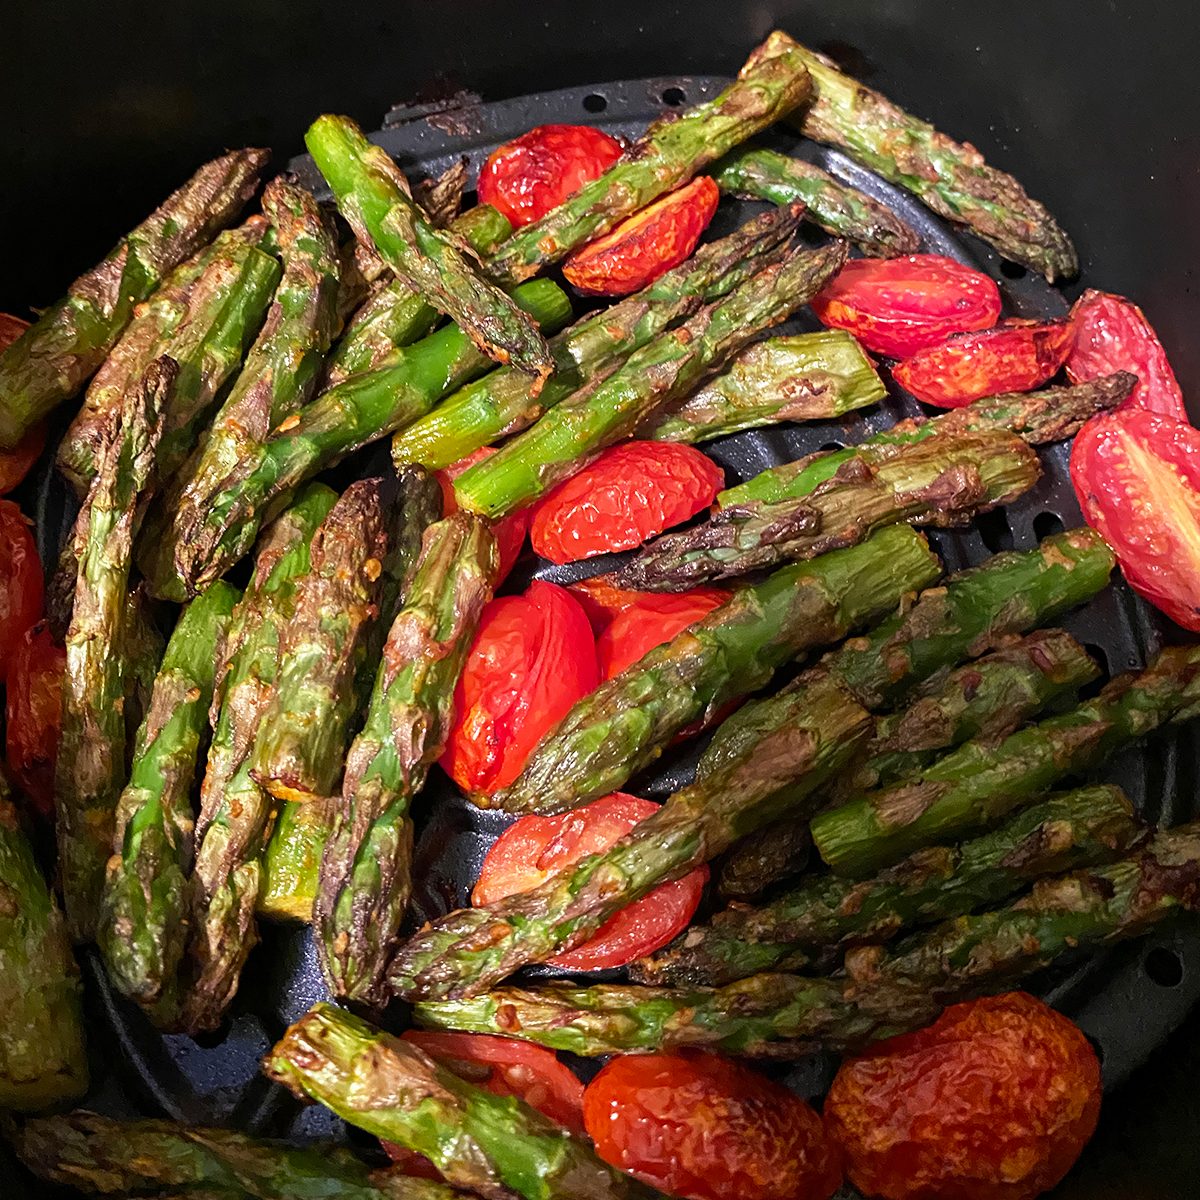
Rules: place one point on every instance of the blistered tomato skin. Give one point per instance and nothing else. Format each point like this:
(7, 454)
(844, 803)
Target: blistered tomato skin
(994, 1101)
(527, 177)
(33, 714)
(646, 245)
(897, 306)
(703, 1127)
(509, 531)
(630, 493)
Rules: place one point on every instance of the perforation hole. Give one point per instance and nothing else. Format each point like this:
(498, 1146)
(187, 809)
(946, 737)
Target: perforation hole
(827, 447)
(593, 102)
(995, 530)
(673, 97)
(1046, 524)
(1011, 270)
(1163, 967)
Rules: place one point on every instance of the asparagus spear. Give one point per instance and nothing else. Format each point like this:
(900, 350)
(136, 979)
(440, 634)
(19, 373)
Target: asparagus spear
(770, 85)
(364, 881)
(777, 851)
(758, 174)
(664, 370)
(442, 197)
(1081, 828)
(235, 813)
(976, 785)
(100, 1156)
(143, 919)
(56, 355)
(90, 770)
(374, 197)
(808, 377)
(1050, 415)
(501, 403)
(944, 480)
(496, 1146)
(42, 1059)
(292, 860)
(949, 177)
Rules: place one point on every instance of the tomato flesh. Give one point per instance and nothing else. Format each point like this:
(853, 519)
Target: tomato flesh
(534, 848)
(509, 531)
(33, 714)
(21, 584)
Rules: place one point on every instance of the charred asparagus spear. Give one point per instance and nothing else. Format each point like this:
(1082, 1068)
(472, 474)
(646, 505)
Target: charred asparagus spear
(42, 1059)
(944, 480)
(758, 174)
(772, 83)
(54, 358)
(802, 927)
(90, 771)
(664, 370)
(976, 785)
(777, 851)
(501, 403)
(143, 920)
(374, 197)
(364, 880)
(496, 1147)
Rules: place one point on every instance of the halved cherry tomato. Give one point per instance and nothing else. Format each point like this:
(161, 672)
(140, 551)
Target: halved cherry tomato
(993, 1101)
(21, 583)
(897, 306)
(630, 493)
(11, 328)
(1112, 334)
(603, 601)
(646, 245)
(532, 658)
(510, 531)
(15, 463)
(33, 714)
(704, 1127)
(1016, 356)
(1137, 476)
(533, 848)
(532, 174)
(650, 620)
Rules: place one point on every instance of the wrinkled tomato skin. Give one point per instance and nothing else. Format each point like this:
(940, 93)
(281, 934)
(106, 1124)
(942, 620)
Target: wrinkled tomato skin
(646, 245)
(603, 601)
(33, 714)
(993, 1101)
(509, 531)
(630, 493)
(1014, 357)
(897, 306)
(704, 1127)
(534, 847)
(1136, 475)
(21, 584)
(650, 620)
(1112, 334)
(527, 177)
(15, 463)
(533, 657)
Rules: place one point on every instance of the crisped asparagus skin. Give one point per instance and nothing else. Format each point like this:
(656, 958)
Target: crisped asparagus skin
(42, 1059)
(301, 741)
(495, 1146)
(143, 918)
(770, 85)
(441, 197)
(758, 174)
(101, 1156)
(365, 878)
(629, 720)
(374, 197)
(501, 403)
(663, 371)
(949, 177)
(1050, 415)
(805, 377)
(944, 480)
(979, 783)
(52, 360)
(804, 926)
(362, 409)
(235, 813)
(777, 851)
(91, 766)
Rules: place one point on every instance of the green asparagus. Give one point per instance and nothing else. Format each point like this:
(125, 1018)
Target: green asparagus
(292, 860)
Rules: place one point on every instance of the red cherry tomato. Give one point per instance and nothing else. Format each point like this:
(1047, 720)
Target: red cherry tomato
(15, 463)
(33, 714)
(1137, 477)
(1016, 356)
(630, 493)
(532, 174)
(533, 848)
(704, 1127)
(646, 245)
(994, 1101)
(532, 658)
(897, 306)
(650, 620)
(603, 601)
(11, 328)
(21, 581)
(509, 531)
(1112, 334)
